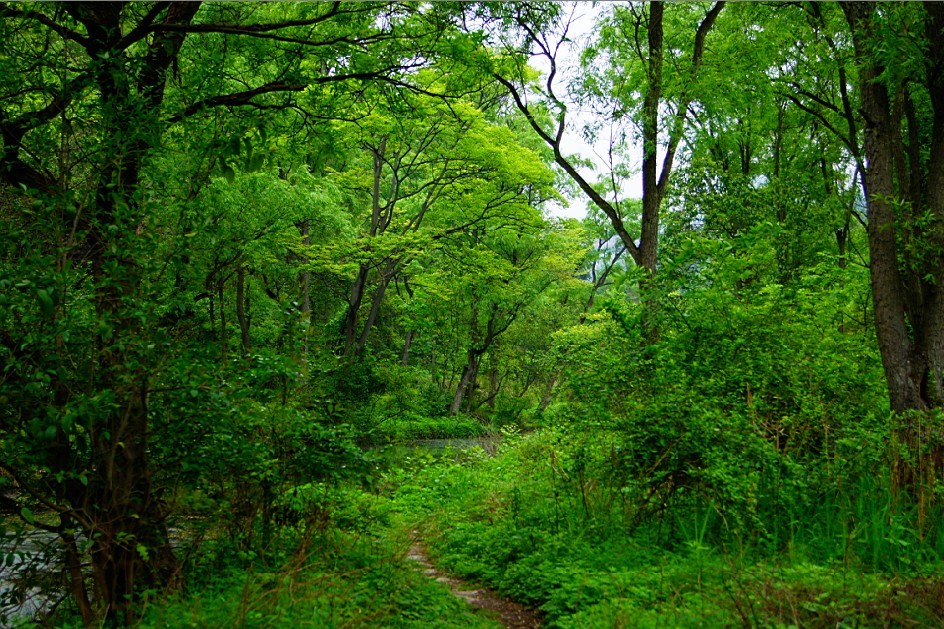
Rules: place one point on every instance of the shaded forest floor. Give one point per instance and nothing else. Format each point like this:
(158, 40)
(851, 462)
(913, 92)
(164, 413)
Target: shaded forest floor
(465, 538)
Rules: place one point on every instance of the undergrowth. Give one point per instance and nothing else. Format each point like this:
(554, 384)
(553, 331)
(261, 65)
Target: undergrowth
(346, 568)
(344, 581)
(409, 427)
(543, 530)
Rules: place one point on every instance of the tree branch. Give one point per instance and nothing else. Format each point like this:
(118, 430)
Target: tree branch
(143, 28)
(677, 129)
(597, 199)
(246, 32)
(7, 11)
(245, 97)
(13, 169)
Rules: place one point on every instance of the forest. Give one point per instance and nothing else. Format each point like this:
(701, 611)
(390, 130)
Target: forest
(471, 314)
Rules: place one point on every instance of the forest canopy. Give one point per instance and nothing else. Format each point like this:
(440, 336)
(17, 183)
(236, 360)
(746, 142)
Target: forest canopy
(244, 246)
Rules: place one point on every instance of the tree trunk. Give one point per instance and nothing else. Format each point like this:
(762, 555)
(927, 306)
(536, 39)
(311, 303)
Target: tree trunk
(354, 306)
(385, 277)
(220, 284)
(304, 280)
(466, 382)
(242, 302)
(405, 356)
(548, 391)
(76, 578)
(494, 385)
(651, 194)
(903, 368)
(909, 307)
(118, 509)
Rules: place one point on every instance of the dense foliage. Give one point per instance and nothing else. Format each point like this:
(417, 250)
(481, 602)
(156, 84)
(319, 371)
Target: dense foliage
(246, 247)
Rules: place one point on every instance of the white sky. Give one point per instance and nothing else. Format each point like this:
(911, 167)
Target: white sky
(580, 31)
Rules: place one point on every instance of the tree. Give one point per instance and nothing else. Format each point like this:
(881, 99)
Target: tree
(101, 87)
(901, 81)
(424, 154)
(631, 44)
(512, 270)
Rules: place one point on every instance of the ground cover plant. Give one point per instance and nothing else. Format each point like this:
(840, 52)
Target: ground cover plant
(529, 536)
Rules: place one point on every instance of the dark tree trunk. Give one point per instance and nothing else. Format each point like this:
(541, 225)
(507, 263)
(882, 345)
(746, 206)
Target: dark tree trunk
(467, 381)
(353, 308)
(407, 344)
(494, 385)
(118, 508)
(909, 307)
(242, 303)
(906, 359)
(386, 275)
(548, 392)
(651, 194)
(304, 281)
(220, 285)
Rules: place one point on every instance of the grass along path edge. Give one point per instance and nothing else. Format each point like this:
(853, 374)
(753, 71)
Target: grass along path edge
(510, 613)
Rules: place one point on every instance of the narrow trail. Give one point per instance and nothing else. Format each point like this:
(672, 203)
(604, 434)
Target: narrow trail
(510, 614)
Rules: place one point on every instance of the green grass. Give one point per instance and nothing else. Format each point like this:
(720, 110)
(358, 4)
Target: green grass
(516, 523)
(356, 582)
(537, 524)
(409, 427)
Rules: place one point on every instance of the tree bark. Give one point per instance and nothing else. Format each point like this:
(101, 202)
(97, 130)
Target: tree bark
(386, 276)
(407, 344)
(904, 365)
(909, 306)
(242, 301)
(117, 507)
(651, 194)
(220, 285)
(304, 280)
(354, 306)
(466, 382)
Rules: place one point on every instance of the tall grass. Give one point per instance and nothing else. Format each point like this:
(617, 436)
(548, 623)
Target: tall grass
(544, 522)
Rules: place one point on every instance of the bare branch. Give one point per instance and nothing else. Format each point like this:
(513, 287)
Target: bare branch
(554, 142)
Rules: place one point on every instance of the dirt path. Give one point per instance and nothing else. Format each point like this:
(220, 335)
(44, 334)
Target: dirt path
(510, 614)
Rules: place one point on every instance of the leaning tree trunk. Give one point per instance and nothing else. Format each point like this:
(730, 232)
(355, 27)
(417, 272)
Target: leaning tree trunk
(353, 308)
(467, 381)
(386, 276)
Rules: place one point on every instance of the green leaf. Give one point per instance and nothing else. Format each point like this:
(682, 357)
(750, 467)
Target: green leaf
(45, 302)
(27, 515)
(228, 173)
(254, 164)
